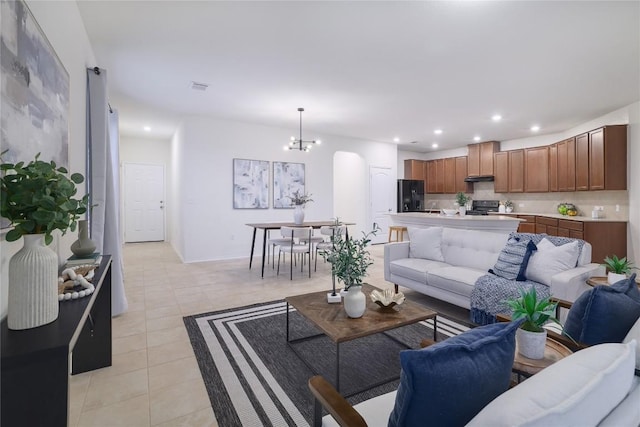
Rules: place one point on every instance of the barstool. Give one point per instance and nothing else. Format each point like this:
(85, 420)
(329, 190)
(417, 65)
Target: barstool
(399, 233)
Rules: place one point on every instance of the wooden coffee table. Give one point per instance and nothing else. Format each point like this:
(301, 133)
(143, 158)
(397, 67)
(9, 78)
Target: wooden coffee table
(332, 320)
(553, 351)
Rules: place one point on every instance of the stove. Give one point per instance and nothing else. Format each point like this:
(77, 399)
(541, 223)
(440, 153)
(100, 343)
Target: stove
(483, 207)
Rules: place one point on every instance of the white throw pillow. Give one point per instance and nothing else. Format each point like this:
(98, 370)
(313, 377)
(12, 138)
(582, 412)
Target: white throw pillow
(426, 243)
(578, 390)
(634, 334)
(550, 259)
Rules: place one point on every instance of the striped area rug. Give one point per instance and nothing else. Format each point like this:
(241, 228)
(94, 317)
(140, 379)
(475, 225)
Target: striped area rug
(254, 378)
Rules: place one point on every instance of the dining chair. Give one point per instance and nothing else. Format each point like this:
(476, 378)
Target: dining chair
(326, 246)
(272, 242)
(300, 244)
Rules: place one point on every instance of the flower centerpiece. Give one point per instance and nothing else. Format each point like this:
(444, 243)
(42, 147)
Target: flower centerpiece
(299, 201)
(536, 313)
(350, 260)
(37, 198)
(508, 205)
(462, 200)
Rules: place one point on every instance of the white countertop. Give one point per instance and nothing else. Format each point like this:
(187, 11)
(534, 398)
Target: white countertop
(456, 217)
(493, 223)
(559, 216)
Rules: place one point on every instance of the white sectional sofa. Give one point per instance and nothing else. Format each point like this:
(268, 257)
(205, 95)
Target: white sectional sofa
(448, 269)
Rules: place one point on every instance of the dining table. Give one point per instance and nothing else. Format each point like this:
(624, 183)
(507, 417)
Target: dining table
(267, 226)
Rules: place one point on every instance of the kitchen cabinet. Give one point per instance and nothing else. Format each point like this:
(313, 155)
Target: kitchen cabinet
(461, 174)
(480, 158)
(567, 165)
(608, 158)
(536, 170)
(415, 169)
(528, 225)
(430, 167)
(449, 175)
(553, 167)
(516, 171)
(582, 162)
(501, 172)
(606, 238)
(439, 175)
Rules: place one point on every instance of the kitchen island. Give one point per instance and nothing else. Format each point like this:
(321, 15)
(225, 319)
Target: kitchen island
(492, 223)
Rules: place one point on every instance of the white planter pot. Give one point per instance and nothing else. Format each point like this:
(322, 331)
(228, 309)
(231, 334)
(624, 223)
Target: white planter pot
(531, 344)
(615, 277)
(462, 210)
(33, 285)
(508, 209)
(298, 215)
(355, 302)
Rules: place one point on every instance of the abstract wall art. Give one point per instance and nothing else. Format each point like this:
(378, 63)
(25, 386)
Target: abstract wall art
(287, 179)
(250, 184)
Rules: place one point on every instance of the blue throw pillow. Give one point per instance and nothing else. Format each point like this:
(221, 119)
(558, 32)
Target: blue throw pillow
(514, 258)
(604, 314)
(448, 383)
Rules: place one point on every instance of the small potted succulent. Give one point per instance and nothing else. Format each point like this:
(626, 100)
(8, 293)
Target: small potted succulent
(531, 335)
(618, 268)
(462, 200)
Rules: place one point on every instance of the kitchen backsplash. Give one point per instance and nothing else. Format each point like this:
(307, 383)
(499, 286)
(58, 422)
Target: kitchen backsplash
(545, 202)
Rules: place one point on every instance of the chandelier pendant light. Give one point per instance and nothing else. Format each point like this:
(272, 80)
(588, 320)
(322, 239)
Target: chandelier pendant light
(300, 144)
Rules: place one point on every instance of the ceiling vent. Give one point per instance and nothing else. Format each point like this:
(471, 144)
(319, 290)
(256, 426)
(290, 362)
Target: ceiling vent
(199, 86)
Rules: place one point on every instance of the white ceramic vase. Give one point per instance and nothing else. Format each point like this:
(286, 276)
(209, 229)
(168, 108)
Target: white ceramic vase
(298, 215)
(508, 209)
(33, 285)
(84, 246)
(462, 210)
(355, 302)
(615, 277)
(531, 344)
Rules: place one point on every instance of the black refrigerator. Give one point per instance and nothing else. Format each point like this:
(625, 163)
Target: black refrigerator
(410, 195)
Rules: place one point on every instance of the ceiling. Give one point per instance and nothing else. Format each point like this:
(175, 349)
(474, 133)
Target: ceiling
(369, 70)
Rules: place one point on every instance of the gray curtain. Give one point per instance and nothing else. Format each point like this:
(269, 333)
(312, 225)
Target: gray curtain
(103, 181)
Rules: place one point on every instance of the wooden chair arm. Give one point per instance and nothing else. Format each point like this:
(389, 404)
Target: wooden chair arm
(337, 406)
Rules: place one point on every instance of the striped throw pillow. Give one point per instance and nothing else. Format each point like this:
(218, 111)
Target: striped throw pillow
(513, 259)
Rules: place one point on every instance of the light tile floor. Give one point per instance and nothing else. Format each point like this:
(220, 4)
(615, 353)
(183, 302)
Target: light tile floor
(155, 380)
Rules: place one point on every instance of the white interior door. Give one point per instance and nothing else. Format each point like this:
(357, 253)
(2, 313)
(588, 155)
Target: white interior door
(382, 197)
(143, 202)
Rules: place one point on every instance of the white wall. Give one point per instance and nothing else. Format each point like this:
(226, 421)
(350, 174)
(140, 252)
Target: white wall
(148, 151)
(207, 227)
(61, 23)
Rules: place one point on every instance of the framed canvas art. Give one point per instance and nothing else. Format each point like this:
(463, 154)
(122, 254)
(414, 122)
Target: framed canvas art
(287, 179)
(250, 184)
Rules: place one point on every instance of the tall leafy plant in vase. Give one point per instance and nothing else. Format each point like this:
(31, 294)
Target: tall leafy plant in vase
(350, 260)
(299, 201)
(37, 198)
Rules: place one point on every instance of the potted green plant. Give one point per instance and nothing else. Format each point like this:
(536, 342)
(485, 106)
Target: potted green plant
(618, 268)
(508, 205)
(299, 201)
(350, 260)
(531, 335)
(461, 200)
(37, 198)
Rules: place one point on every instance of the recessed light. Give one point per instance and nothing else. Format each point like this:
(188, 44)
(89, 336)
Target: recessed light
(434, 145)
(535, 128)
(496, 117)
(147, 128)
(438, 131)
(396, 139)
(476, 138)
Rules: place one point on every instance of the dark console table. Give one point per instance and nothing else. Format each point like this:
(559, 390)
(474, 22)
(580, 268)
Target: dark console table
(35, 362)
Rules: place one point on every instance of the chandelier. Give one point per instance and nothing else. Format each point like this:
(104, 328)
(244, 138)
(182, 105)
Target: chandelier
(300, 144)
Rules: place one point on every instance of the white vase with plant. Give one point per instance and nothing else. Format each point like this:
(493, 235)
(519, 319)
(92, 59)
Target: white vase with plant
(299, 201)
(461, 200)
(618, 268)
(531, 337)
(508, 206)
(37, 198)
(350, 260)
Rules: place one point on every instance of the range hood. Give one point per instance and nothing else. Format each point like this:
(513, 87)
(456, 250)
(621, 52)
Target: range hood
(482, 178)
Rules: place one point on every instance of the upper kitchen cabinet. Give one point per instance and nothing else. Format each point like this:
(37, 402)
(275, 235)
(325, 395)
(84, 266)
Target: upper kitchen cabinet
(536, 170)
(432, 176)
(501, 172)
(461, 173)
(608, 158)
(414, 169)
(582, 162)
(439, 175)
(567, 165)
(480, 158)
(450, 175)
(516, 171)
(553, 167)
